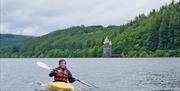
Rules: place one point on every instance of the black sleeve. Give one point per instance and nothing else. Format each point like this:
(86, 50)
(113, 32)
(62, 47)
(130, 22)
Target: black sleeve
(70, 78)
(53, 73)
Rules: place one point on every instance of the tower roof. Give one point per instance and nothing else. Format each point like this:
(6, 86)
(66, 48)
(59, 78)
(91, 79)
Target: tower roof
(106, 40)
(110, 43)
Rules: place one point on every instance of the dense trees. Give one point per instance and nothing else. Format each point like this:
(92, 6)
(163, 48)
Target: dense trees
(7, 40)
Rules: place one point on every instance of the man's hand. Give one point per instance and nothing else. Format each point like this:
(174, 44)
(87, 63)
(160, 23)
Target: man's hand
(55, 71)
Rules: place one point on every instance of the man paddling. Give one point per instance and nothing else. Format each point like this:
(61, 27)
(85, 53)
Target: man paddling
(62, 74)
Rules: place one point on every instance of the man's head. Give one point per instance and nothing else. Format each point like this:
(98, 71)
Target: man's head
(62, 63)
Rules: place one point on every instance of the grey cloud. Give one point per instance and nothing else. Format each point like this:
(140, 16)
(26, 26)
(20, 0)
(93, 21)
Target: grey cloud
(38, 17)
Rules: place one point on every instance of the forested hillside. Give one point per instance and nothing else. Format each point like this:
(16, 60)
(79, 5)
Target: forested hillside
(7, 40)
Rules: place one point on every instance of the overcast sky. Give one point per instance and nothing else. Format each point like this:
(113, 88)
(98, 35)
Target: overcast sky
(39, 17)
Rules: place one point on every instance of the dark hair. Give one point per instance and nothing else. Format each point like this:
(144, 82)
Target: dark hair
(62, 61)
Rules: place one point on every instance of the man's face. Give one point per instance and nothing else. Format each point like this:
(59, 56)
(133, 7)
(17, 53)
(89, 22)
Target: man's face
(63, 64)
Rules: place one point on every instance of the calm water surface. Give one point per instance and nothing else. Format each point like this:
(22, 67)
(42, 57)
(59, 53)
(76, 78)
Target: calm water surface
(109, 74)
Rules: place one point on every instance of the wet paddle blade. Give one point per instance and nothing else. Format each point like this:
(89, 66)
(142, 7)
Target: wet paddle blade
(43, 65)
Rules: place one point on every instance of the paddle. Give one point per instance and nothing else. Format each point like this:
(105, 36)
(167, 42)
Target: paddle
(45, 66)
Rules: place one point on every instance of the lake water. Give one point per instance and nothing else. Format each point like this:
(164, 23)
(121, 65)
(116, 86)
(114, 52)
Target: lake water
(109, 74)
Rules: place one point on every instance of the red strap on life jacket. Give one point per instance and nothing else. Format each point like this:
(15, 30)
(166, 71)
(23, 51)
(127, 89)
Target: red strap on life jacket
(61, 76)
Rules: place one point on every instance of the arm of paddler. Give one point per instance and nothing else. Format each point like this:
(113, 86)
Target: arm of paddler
(70, 77)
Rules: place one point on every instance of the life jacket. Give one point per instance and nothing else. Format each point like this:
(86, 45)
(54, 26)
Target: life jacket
(61, 75)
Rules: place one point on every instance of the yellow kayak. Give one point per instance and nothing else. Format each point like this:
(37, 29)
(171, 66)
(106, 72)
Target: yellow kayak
(60, 86)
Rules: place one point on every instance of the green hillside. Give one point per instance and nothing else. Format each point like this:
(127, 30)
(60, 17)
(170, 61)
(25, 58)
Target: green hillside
(7, 40)
(157, 34)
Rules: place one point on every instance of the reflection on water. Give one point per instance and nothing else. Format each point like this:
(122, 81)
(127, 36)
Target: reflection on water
(111, 74)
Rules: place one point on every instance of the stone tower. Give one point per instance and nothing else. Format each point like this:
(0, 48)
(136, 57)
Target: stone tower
(107, 48)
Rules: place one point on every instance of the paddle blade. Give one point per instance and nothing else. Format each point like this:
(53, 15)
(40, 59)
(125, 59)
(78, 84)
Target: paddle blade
(43, 65)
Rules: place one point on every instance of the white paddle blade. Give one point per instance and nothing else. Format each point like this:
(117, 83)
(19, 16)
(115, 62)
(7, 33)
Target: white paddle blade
(43, 65)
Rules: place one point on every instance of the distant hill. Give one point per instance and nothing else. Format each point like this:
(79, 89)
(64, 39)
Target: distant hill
(7, 40)
(154, 35)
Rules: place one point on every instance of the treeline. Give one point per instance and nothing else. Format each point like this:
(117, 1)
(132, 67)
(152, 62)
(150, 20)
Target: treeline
(9, 40)
(157, 34)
